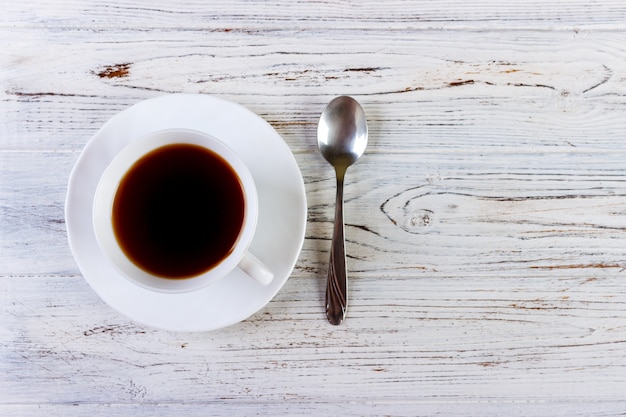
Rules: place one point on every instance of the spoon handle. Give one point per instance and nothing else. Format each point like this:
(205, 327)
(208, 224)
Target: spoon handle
(337, 284)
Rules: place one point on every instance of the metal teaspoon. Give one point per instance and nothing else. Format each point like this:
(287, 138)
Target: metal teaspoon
(342, 139)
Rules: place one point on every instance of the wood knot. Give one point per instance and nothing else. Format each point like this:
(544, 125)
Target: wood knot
(418, 221)
(406, 210)
(115, 71)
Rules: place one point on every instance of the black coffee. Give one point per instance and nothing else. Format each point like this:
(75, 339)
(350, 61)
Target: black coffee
(178, 211)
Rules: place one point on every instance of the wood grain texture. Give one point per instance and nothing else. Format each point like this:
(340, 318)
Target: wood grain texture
(421, 90)
(485, 224)
(366, 14)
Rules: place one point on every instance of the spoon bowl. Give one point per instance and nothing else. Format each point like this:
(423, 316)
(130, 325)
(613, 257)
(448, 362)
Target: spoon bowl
(342, 132)
(342, 139)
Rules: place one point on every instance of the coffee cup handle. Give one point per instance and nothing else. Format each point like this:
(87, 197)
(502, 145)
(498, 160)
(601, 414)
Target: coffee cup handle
(256, 269)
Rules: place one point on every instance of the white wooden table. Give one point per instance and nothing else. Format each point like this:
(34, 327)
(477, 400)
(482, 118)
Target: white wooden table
(486, 224)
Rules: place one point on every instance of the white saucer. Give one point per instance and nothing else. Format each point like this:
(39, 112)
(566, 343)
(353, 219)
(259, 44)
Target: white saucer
(281, 225)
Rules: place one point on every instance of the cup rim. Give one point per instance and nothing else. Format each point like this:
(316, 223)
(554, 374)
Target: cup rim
(109, 183)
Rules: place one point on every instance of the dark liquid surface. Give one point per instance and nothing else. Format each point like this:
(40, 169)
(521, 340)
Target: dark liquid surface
(178, 211)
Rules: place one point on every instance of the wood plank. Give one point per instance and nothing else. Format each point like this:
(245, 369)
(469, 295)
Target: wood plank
(421, 90)
(262, 15)
(468, 408)
(406, 340)
(444, 214)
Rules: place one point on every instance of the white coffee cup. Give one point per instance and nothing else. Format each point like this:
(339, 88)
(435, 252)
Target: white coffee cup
(109, 241)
